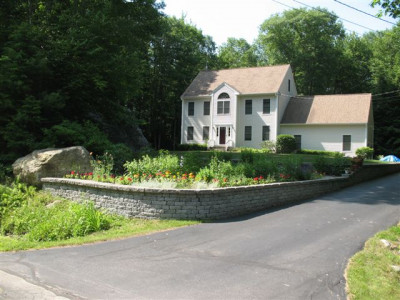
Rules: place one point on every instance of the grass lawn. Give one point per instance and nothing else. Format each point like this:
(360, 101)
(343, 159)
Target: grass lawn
(120, 228)
(370, 274)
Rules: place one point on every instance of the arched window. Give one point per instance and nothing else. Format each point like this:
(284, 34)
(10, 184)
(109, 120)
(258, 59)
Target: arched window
(223, 106)
(223, 96)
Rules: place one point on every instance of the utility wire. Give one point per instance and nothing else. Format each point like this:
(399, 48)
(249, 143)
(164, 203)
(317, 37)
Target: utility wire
(283, 4)
(391, 92)
(359, 10)
(324, 11)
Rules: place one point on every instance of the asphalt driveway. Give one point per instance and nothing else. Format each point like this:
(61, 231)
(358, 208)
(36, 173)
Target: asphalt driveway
(295, 252)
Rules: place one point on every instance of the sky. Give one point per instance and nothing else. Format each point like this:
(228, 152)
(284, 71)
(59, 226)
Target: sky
(241, 18)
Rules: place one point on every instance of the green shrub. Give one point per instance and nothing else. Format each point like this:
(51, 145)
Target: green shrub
(332, 166)
(14, 196)
(150, 165)
(5, 173)
(63, 220)
(269, 146)
(192, 162)
(102, 164)
(365, 152)
(321, 152)
(285, 143)
(121, 153)
(192, 147)
(222, 155)
(247, 155)
(263, 167)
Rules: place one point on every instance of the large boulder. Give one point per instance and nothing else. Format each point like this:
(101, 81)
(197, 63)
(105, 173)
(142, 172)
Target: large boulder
(51, 163)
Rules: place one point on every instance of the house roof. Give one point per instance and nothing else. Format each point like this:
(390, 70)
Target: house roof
(255, 80)
(328, 109)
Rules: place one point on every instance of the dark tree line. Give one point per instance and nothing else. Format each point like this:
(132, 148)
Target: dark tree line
(90, 72)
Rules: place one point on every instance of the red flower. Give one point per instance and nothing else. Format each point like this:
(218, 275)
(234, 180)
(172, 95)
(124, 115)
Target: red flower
(255, 178)
(261, 177)
(129, 179)
(90, 174)
(72, 172)
(121, 178)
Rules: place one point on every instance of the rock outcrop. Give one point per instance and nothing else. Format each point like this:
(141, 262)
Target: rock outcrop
(51, 163)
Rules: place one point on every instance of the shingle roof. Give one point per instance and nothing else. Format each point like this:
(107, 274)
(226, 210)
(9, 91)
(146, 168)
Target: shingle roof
(255, 80)
(328, 109)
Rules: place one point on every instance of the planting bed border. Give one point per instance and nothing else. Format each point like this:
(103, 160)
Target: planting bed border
(219, 203)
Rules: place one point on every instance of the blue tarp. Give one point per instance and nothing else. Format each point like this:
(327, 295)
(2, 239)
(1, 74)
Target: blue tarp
(392, 158)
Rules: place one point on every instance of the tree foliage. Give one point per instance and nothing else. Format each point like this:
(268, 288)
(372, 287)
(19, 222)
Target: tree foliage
(310, 41)
(66, 63)
(89, 72)
(236, 53)
(174, 59)
(390, 7)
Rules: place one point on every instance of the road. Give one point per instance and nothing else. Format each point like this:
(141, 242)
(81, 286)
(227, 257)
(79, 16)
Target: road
(293, 252)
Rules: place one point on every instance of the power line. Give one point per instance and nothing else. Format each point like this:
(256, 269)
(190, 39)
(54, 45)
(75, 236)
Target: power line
(359, 10)
(327, 12)
(283, 4)
(391, 92)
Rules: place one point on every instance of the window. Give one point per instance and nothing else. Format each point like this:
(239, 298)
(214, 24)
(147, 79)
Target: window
(206, 108)
(191, 109)
(347, 143)
(206, 131)
(190, 133)
(223, 96)
(223, 107)
(265, 133)
(247, 133)
(298, 141)
(248, 107)
(266, 106)
(288, 85)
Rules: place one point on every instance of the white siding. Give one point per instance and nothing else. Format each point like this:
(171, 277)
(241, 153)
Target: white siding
(198, 120)
(285, 94)
(225, 120)
(256, 120)
(328, 137)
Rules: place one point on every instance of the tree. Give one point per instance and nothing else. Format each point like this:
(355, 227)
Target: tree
(236, 53)
(308, 40)
(174, 58)
(72, 61)
(390, 7)
(354, 74)
(385, 74)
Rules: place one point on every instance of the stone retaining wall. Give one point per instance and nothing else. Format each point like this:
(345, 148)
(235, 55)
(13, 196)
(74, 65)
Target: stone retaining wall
(213, 204)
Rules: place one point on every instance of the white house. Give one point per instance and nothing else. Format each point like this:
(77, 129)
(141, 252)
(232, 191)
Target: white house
(244, 107)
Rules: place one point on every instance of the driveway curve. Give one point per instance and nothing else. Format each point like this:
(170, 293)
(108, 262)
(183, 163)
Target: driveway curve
(293, 252)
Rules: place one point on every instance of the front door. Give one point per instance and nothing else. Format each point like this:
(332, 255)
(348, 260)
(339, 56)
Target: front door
(222, 135)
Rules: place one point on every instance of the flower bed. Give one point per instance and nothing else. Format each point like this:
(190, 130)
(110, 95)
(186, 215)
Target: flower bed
(188, 172)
